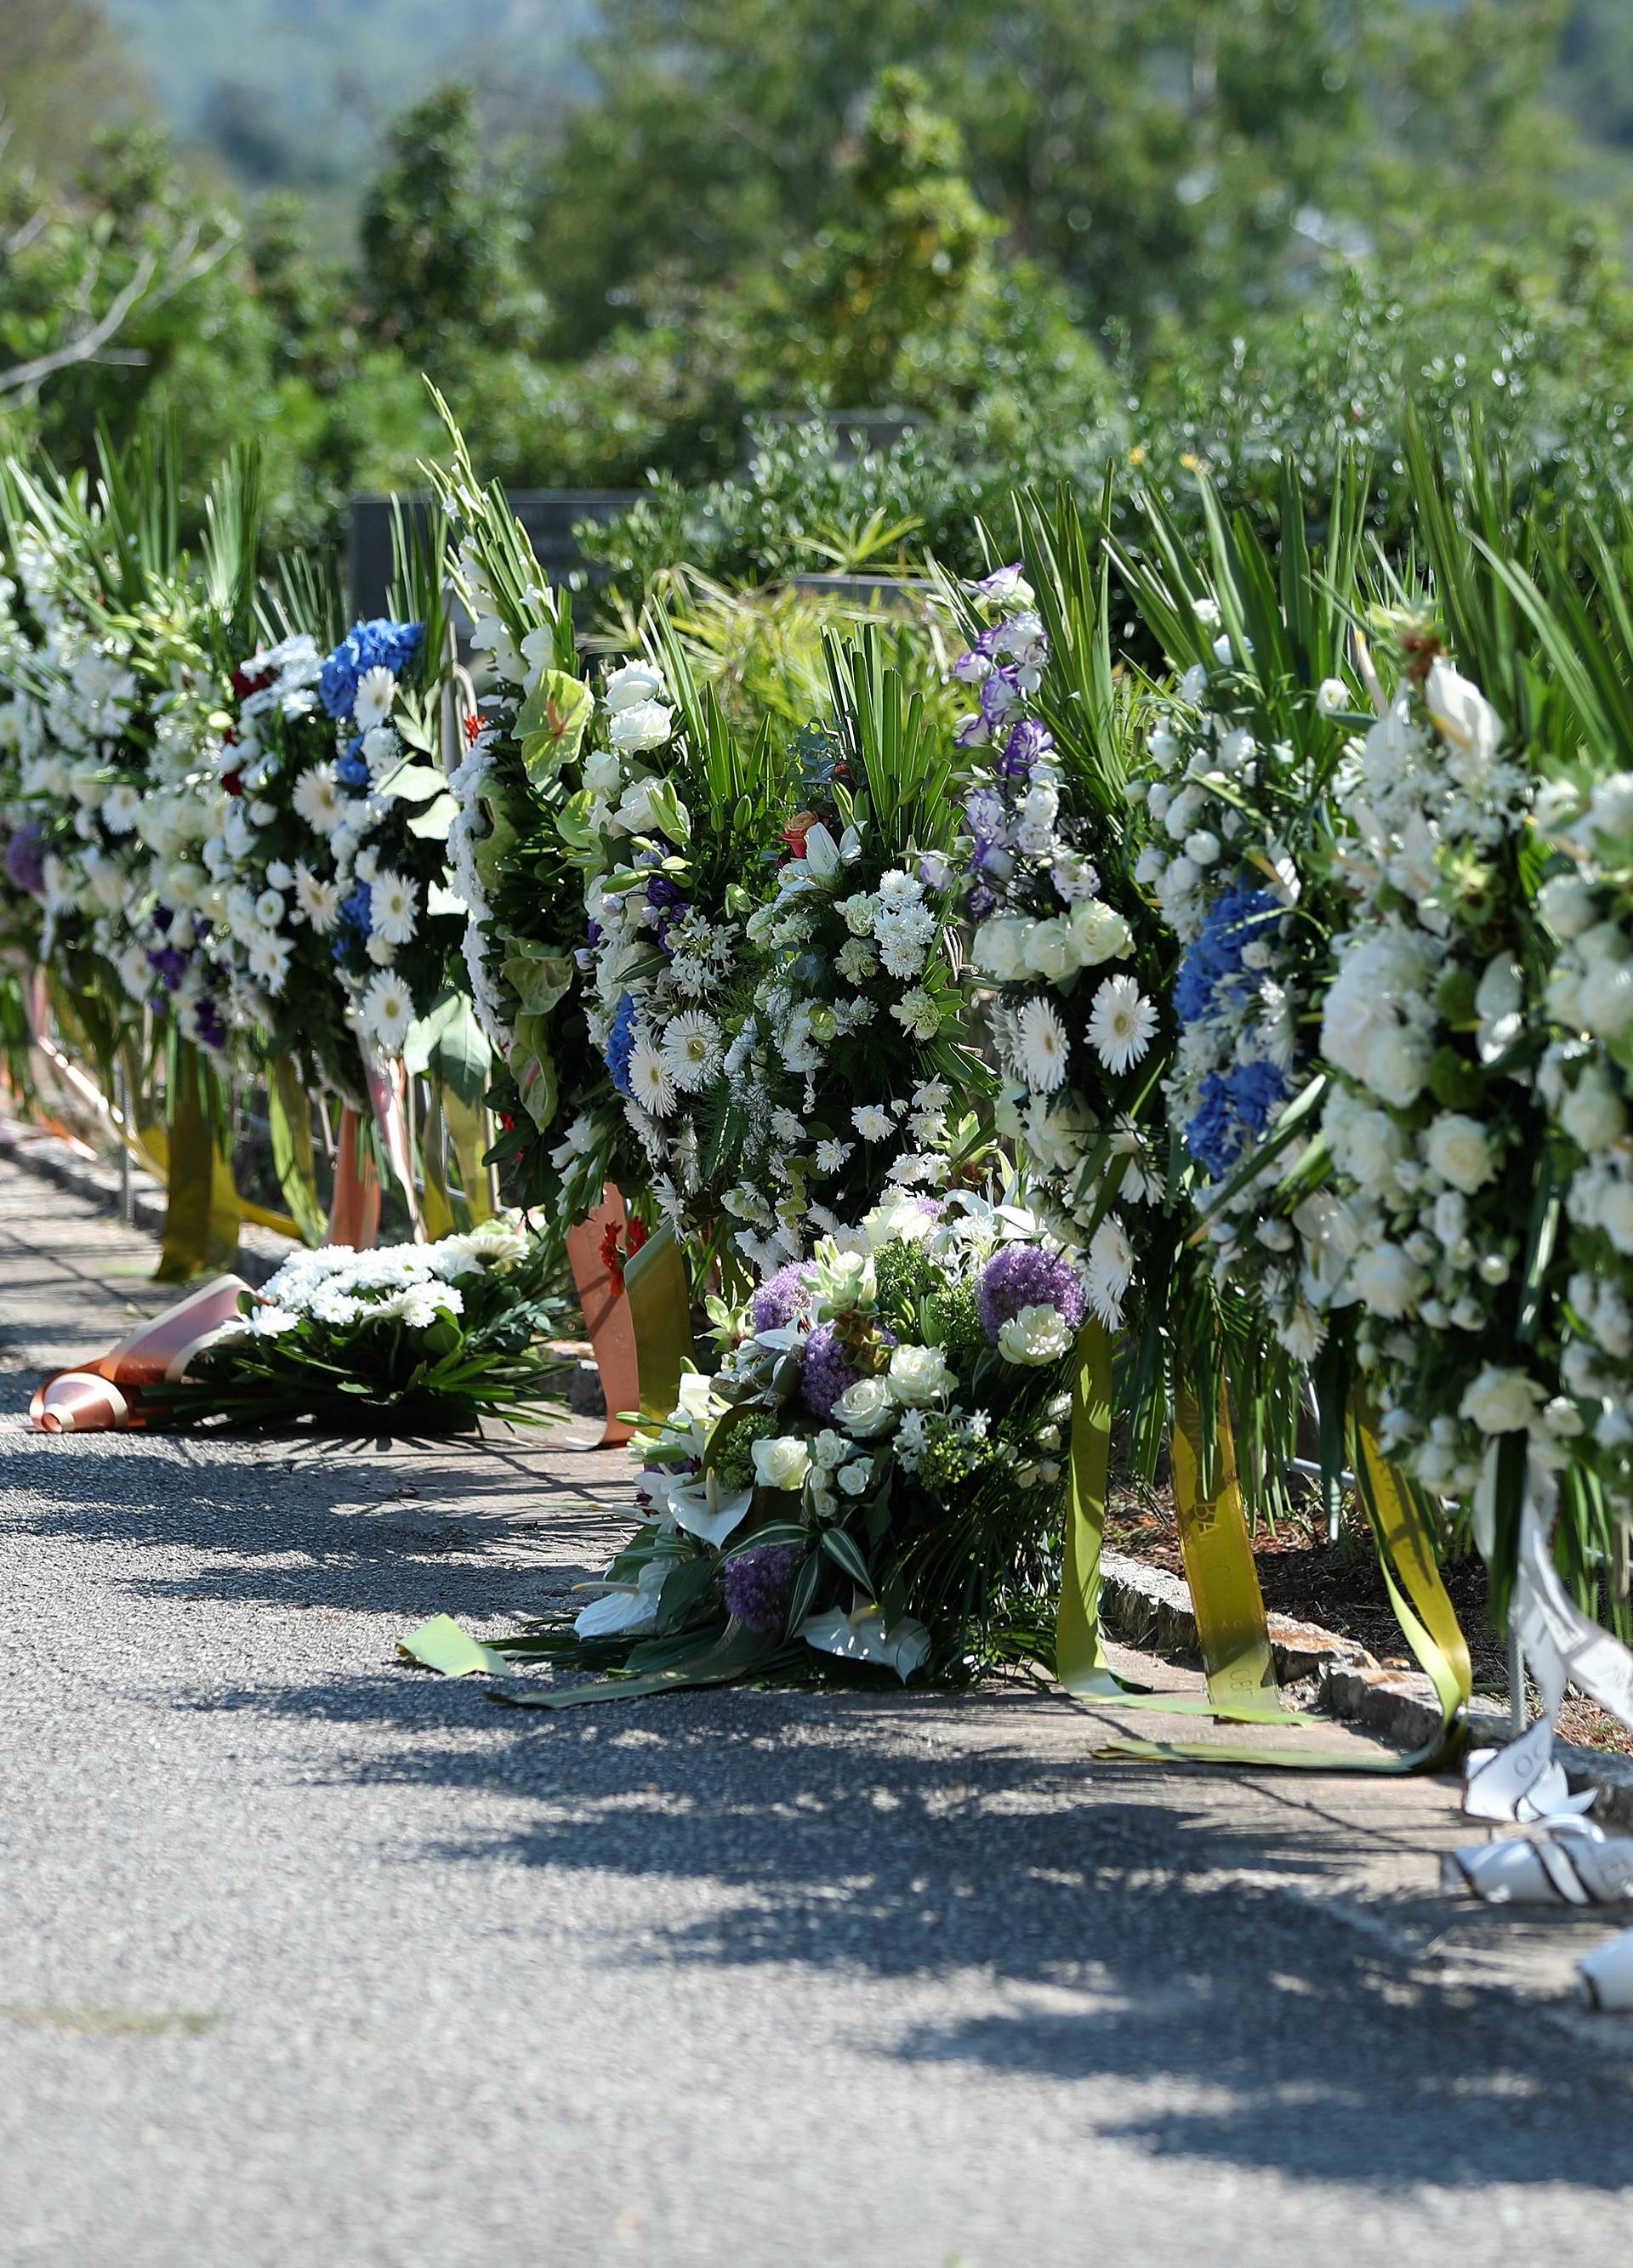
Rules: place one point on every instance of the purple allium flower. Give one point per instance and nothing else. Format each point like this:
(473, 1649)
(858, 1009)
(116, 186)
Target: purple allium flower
(828, 1370)
(781, 1297)
(25, 858)
(757, 1586)
(1025, 1276)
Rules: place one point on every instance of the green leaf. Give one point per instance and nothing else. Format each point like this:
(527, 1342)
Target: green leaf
(840, 1547)
(552, 722)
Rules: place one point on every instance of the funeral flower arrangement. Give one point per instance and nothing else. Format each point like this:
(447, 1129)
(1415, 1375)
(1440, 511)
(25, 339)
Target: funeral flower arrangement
(1431, 1028)
(428, 1338)
(1076, 990)
(875, 1472)
(851, 1074)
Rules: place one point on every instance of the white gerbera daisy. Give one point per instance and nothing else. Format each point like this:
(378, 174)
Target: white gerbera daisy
(1041, 1045)
(318, 800)
(1120, 1023)
(1110, 1266)
(650, 1082)
(317, 900)
(692, 1049)
(268, 961)
(387, 1010)
(377, 689)
(394, 902)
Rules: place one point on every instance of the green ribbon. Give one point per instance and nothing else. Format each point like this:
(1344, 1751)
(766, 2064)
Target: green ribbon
(289, 1112)
(468, 1133)
(200, 1209)
(1080, 1662)
(442, 1646)
(660, 1298)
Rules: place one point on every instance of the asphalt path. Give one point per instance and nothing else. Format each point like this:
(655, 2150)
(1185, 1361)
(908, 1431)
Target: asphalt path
(308, 1955)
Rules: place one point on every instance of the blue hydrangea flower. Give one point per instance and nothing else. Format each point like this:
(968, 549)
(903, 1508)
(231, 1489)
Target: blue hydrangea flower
(379, 644)
(621, 1045)
(1213, 960)
(1234, 1110)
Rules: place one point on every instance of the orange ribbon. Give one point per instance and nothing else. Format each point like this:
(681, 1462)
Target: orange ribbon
(106, 1395)
(607, 1320)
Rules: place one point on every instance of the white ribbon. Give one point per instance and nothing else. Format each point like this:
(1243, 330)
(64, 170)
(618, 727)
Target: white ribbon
(1567, 1860)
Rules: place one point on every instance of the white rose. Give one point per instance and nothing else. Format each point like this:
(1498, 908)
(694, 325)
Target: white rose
(1036, 1335)
(999, 948)
(1099, 932)
(866, 1408)
(645, 724)
(602, 772)
(1591, 1114)
(1501, 1401)
(1388, 1280)
(636, 683)
(1604, 998)
(1051, 952)
(1457, 1149)
(919, 1375)
(1332, 695)
(1566, 904)
(782, 1463)
(1615, 1216)
(1371, 1146)
(1397, 1065)
(1202, 847)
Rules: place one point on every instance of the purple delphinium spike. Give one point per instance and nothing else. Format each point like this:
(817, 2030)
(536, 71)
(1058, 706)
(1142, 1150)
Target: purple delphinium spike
(756, 1584)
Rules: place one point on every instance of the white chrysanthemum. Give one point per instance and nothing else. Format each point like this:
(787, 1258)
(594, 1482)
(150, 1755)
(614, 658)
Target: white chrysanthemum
(377, 689)
(394, 902)
(387, 1010)
(873, 1123)
(120, 807)
(1041, 1046)
(1120, 1023)
(692, 1049)
(318, 800)
(650, 1082)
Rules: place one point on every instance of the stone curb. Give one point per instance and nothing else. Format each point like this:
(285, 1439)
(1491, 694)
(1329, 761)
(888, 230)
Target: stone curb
(260, 1253)
(1149, 1607)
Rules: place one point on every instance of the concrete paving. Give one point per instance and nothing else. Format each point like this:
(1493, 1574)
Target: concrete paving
(310, 1956)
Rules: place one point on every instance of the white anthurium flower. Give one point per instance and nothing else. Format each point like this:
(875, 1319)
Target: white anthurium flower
(627, 1609)
(862, 1635)
(700, 1506)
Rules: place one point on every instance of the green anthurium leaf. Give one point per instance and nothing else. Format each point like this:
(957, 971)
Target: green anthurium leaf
(533, 1067)
(460, 1057)
(552, 724)
(506, 825)
(432, 825)
(538, 979)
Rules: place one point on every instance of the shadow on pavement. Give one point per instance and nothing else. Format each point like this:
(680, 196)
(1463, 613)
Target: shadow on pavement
(1126, 1938)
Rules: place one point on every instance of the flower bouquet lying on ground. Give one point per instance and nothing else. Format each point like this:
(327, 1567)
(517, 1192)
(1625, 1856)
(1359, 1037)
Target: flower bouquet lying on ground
(876, 1474)
(411, 1338)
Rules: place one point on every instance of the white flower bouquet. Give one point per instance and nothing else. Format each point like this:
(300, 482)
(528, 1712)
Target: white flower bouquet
(405, 1339)
(876, 1475)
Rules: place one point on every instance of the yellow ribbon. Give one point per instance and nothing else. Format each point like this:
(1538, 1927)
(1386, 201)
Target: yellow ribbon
(1218, 1554)
(660, 1298)
(1080, 1662)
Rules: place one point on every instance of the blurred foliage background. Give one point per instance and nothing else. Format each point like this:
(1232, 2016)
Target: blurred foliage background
(661, 243)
